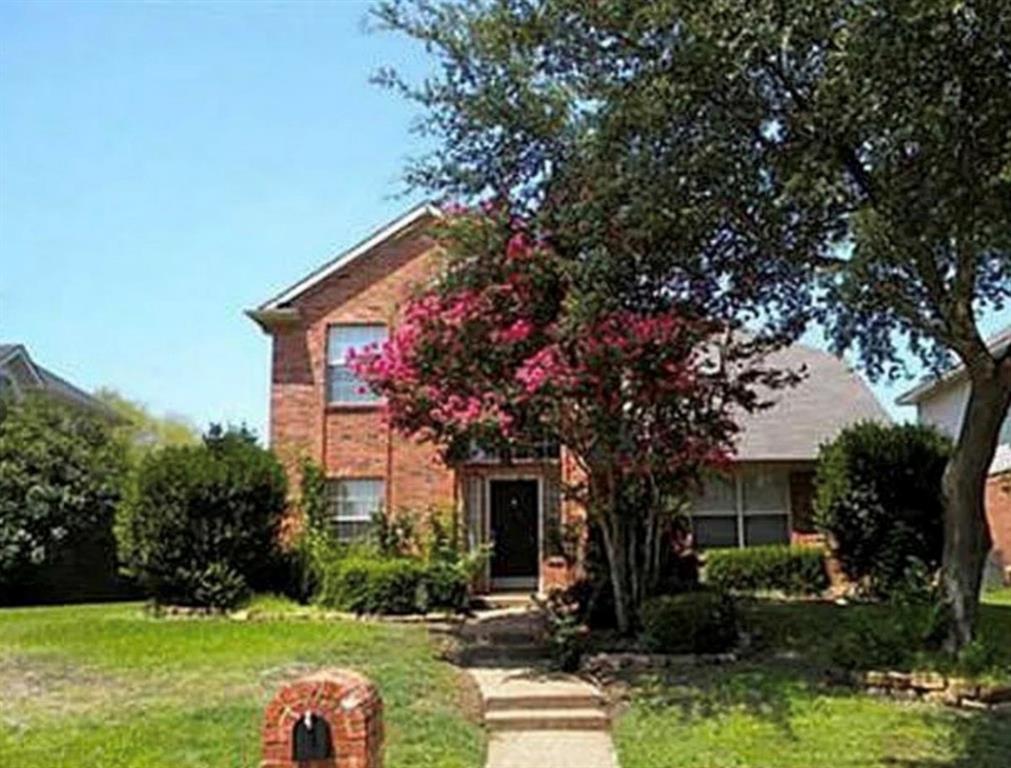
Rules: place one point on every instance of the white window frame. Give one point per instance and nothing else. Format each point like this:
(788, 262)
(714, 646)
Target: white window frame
(740, 513)
(368, 399)
(336, 501)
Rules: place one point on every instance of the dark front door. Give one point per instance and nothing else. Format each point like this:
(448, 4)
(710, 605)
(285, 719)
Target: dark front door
(514, 560)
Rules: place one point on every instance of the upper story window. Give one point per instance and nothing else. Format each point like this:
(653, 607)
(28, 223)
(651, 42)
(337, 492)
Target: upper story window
(343, 386)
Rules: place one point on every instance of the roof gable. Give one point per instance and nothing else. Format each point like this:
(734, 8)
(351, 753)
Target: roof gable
(417, 216)
(998, 344)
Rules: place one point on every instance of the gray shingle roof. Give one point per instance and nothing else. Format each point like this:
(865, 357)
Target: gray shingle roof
(57, 385)
(831, 397)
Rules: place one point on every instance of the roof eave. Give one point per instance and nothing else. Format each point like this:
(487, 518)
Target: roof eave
(271, 320)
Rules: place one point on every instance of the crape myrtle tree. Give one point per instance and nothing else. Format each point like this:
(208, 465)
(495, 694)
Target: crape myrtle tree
(496, 354)
(776, 160)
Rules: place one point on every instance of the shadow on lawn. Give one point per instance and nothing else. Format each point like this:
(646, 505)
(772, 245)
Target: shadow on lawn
(777, 692)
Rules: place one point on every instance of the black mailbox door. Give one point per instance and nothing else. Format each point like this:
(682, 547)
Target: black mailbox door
(311, 740)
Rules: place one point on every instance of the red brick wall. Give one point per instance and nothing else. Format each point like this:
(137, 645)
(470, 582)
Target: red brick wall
(998, 513)
(352, 441)
(350, 705)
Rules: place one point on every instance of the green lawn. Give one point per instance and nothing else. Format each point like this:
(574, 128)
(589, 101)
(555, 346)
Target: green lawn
(107, 686)
(777, 710)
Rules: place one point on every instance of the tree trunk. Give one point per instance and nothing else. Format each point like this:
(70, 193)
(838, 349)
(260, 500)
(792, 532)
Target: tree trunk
(616, 544)
(966, 533)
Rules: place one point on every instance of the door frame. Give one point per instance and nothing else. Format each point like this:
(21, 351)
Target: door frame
(500, 584)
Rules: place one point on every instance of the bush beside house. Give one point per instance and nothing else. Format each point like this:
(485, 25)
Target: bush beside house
(701, 621)
(406, 563)
(62, 474)
(201, 525)
(792, 570)
(878, 499)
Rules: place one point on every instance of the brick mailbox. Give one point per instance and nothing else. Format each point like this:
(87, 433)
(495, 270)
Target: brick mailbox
(330, 719)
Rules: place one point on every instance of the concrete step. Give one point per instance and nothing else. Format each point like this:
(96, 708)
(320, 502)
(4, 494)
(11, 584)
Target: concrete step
(588, 719)
(508, 599)
(491, 655)
(510, 701)
(551, 749)
(510, 639)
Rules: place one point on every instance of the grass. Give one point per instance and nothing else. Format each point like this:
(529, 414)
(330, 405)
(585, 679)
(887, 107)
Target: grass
(107, 685)
(777, 708)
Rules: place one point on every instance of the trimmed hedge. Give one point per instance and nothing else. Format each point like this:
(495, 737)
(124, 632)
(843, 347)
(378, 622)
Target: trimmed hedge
(364, 583)
(793, 570)
(704, 621)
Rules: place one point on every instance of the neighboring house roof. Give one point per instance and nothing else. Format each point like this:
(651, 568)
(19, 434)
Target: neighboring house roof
(832, 396)
(28, 375)
(998, 344)
(276, 307)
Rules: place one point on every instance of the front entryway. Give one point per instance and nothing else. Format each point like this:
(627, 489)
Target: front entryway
(514, 512)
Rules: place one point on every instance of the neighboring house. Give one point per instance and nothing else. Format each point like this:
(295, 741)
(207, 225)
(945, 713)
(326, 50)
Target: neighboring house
(20, 374)
(318, 409)
(941, 401)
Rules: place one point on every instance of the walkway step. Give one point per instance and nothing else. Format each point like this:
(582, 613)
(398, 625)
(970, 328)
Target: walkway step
(498, 656)
(551, 749)
(589, 719)
(495, 703)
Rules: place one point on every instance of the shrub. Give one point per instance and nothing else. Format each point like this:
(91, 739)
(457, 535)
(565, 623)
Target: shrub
(793, 570)
(411, 562)
(704, 621)
(62, 475)
(362, 580)
(878, 497)
(374, 584)
(202, 523)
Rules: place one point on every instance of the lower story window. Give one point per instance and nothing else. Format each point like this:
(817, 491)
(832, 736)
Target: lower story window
(746, 509)
(354, 502)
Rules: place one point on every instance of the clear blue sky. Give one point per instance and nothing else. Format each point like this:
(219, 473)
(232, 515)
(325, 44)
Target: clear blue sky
(163, 167)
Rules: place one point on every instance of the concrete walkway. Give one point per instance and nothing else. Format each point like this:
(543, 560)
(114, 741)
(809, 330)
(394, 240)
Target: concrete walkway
(543, 720)
(536, 718)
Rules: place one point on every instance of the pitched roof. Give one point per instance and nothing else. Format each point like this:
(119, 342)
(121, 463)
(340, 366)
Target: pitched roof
(997, 344)
(831, 397)
(393, 229)
(52, 383)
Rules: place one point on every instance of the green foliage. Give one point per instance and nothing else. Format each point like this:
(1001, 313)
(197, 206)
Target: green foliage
(142, 431)
(202, 523)
(879, 500)
(782, 568)
(411, 562)
(364, 583)
(777, 162)
(703, 621)
(881, 641)
(62, 475)
(361, 579)
(567, 635)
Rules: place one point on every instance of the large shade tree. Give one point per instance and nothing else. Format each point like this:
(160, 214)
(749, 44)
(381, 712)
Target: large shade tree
(777, 160)
(496, 354)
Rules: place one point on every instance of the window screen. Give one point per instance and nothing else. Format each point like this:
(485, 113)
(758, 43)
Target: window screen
(354, 502)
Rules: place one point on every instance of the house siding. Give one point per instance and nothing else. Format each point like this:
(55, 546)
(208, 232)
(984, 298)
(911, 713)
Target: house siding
(998, 513)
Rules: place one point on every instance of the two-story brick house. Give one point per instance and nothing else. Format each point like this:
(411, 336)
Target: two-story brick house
(318, 409)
